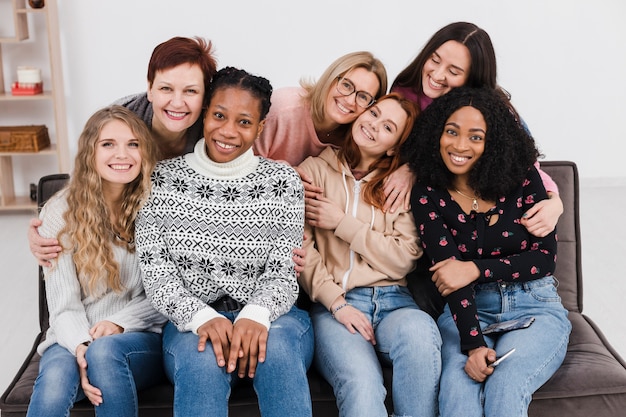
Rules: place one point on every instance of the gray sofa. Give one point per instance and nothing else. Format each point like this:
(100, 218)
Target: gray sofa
(591, 381)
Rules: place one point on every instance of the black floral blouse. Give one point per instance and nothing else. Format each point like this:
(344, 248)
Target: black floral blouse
(503, 251)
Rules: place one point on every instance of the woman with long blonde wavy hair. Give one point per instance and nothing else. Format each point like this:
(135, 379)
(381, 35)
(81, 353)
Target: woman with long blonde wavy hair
(104, 340)
(91, 227)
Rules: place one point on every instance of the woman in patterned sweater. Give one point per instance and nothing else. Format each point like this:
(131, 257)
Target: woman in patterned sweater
(474, 162)
(215, 241)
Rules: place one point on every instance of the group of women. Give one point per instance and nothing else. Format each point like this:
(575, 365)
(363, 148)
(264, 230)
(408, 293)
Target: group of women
(337, 187)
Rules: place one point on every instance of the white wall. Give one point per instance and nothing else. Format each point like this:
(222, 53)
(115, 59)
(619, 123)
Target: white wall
(563, 61)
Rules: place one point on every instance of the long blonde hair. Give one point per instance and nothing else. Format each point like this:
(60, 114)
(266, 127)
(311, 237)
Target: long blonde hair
(88, 227)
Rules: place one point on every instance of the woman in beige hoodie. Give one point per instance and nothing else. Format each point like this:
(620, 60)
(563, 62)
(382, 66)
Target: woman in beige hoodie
(357, 260)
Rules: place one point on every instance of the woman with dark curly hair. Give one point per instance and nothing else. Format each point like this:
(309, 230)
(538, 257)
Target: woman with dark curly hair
(476, 179)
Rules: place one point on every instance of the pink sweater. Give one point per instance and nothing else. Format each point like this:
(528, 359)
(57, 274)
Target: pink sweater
(289, 134)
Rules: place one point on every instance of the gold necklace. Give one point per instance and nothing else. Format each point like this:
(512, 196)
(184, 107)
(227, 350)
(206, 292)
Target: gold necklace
(474, 200)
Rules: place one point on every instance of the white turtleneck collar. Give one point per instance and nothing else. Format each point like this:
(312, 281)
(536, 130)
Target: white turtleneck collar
(237, 168)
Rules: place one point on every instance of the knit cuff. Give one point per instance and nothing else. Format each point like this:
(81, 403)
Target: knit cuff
(200, 318)
(255, 313)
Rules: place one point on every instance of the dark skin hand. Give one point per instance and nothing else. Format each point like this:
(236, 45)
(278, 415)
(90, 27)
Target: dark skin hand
(237, 346)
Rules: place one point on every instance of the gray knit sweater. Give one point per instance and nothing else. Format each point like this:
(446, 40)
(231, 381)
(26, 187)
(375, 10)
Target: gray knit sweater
(72, 312)
(210, 230)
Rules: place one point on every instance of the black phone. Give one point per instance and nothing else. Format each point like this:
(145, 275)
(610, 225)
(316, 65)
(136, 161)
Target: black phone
(507, 326)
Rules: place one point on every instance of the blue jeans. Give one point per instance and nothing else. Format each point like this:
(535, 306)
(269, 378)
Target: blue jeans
(539, 350)
(119, 365)
(407, 340)
(202, 388)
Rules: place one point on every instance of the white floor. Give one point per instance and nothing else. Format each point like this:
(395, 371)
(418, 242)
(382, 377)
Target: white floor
(604, 255)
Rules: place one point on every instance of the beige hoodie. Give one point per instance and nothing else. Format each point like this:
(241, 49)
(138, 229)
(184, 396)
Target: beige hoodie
(368, 248)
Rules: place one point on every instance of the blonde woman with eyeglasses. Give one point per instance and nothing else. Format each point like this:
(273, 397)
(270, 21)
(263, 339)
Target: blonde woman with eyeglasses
(305, 120)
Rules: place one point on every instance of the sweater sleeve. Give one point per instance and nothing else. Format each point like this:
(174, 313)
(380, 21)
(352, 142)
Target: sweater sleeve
(316, 280)
(536, 256)
(439, 244)
(63, 292)
(138, 314)
(277, 288)
(263, 144)
(548, 182)
(162, 281)
(393, 254)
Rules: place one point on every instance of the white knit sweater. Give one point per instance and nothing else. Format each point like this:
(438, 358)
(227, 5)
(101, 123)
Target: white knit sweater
(72, 312)
(214, 229)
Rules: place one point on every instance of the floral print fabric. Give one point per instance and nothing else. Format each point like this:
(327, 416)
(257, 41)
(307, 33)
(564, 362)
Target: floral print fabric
(496, 241)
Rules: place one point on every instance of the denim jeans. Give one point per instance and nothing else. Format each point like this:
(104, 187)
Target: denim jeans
(539, 350)
(407, 339)
(202, 388)
(119, 365)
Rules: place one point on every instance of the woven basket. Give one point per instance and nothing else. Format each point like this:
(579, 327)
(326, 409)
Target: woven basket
(24, 138)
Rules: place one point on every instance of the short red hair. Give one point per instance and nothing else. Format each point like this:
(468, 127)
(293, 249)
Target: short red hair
(180, 50)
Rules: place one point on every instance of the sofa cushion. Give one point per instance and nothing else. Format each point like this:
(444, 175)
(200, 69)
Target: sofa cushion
(590, 382)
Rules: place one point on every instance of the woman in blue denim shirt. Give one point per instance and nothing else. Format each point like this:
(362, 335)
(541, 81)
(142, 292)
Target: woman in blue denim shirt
(474, 162)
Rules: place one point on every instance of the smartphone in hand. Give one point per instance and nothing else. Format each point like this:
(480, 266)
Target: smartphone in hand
(501, 358)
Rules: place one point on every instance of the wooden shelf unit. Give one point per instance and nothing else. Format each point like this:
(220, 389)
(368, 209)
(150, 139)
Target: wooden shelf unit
(53, 96)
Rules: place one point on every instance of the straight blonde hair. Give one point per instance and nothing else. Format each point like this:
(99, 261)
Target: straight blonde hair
(318, 91)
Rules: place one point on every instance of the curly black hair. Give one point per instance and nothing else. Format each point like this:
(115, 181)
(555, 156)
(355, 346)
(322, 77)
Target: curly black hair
(509, 149)
(258, 86)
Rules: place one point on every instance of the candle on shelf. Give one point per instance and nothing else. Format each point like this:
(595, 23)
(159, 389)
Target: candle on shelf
(28, 81)
(28, 75)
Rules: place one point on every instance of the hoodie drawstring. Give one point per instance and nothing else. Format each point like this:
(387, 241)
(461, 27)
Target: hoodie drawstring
(355, 204)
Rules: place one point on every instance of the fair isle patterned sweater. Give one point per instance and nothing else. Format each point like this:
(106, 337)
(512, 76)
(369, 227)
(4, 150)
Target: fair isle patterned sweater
(214, 229)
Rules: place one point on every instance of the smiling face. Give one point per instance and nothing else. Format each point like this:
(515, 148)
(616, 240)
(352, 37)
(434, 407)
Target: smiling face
(117, 155)
(377, 131)
(447, 68)
(176, 94)
(342, 109)
(463, 140)
(232, 123)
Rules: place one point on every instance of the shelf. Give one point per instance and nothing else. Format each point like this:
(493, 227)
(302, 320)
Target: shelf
(50, 150)
(19, 203)
(47, 95)
(52, 99)
(30, 10)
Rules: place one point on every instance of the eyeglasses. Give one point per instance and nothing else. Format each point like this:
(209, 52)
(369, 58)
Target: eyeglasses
(346, 88)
